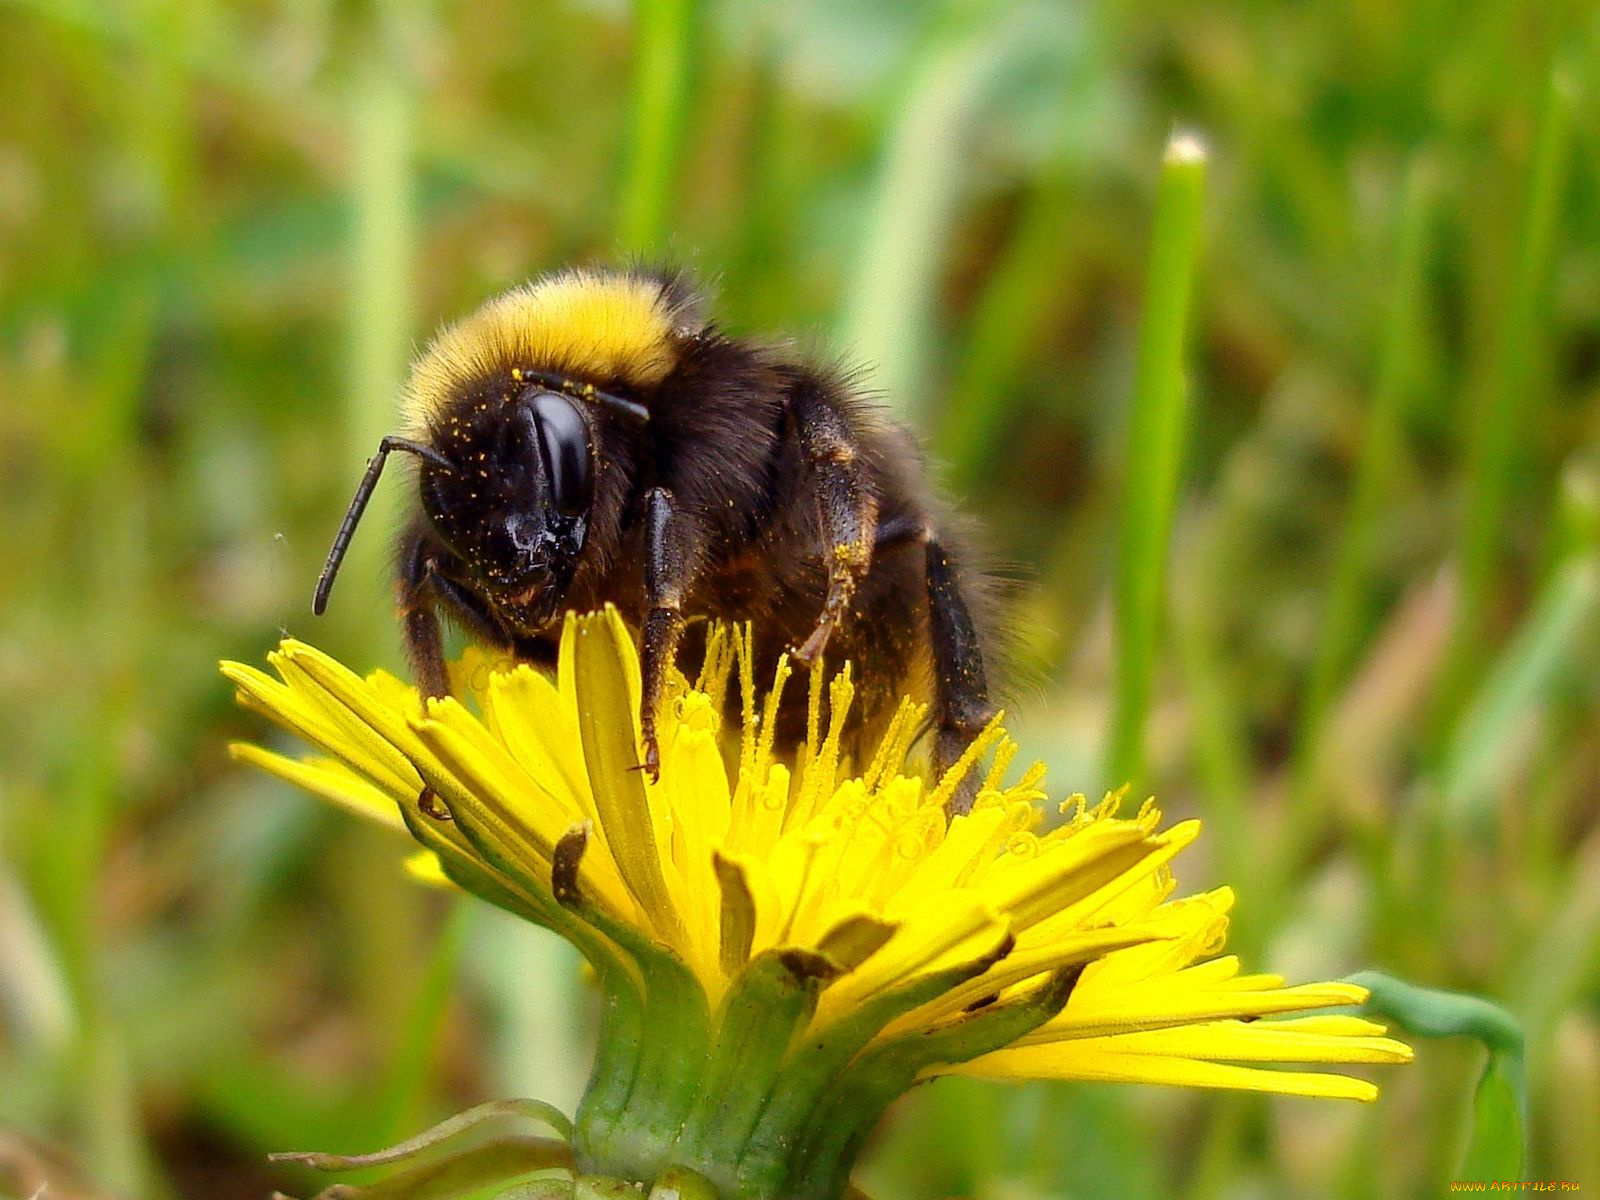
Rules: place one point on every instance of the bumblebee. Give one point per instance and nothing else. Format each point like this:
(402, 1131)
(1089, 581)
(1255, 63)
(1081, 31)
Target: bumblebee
(592, 437)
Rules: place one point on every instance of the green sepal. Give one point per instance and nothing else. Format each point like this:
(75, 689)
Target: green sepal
(458, 1175)
(820, 1058)
(622, 1011)
(456, 1128)
(605, 1187)
(539, 1189)
(680, 1183)
(824, 1152)
(766, 1004)
(672, 1055)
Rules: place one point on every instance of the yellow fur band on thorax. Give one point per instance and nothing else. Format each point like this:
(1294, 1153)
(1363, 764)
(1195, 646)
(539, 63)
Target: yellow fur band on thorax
(592, 326)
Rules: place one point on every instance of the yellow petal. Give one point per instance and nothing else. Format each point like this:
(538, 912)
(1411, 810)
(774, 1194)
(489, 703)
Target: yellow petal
(607, 698)
(1161, 1003)
(423, 866)
(331, 780)
(1064, 1062)
(1309, 1040)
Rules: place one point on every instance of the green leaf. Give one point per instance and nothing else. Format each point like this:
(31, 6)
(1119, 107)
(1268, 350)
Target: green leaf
(1499, 1133)
(1497, 1141)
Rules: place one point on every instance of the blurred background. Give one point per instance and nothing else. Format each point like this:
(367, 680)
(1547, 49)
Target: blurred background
(225, 228)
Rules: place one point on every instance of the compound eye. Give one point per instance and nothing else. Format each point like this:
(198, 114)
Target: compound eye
(564, 447)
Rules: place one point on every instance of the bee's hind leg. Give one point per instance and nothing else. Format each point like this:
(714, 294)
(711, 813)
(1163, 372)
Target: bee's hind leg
(961, 706)
(961, 685)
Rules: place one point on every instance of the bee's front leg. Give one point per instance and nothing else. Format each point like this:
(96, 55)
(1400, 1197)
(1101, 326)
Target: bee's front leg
(847, 509)
(419, 617)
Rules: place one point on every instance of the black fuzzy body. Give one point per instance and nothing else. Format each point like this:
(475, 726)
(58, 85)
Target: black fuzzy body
(775, 470)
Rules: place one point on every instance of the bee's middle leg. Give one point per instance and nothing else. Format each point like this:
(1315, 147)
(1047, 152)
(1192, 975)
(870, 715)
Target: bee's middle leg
(674, 548)
(846, 508)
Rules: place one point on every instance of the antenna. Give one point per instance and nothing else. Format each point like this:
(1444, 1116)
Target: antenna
(358, 505)
(586, 391)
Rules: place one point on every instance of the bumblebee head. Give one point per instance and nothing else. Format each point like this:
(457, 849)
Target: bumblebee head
(507, 482)
(509, 496)
(507, 453)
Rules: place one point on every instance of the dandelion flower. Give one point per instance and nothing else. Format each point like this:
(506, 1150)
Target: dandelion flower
(785, 947)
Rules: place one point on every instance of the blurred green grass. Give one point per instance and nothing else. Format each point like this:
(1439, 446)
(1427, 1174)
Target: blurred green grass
(223, 227)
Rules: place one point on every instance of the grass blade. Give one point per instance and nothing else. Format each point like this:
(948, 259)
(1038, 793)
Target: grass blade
(1509, 403)
(663, 92)
(1155, 443)
(1005, 324)
(890, 306)
(1544, 648)
(381, 319)
(1397, 376)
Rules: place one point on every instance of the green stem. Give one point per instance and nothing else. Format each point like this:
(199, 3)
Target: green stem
(1155, 443)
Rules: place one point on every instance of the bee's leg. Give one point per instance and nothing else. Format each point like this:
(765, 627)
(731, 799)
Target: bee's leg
(961, 686)
(419, 618)
(674, 547)
(897, 532)
(846, 505)
(468, 610)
